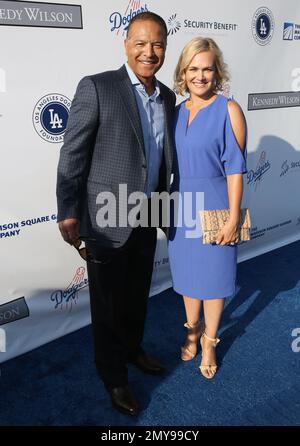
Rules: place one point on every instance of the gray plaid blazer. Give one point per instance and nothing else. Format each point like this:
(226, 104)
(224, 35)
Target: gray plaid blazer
(103, 147)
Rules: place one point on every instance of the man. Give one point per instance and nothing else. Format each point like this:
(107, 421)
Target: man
(118, 133)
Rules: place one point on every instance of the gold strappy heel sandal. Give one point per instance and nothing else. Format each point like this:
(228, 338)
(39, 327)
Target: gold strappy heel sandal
(196, 331)
(210, 367)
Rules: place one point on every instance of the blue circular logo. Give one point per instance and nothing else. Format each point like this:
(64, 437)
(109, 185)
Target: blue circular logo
(50, 117)
(263, 26)
(54, 118)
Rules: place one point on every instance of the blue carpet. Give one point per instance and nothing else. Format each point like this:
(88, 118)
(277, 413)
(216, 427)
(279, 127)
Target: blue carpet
(257, 383)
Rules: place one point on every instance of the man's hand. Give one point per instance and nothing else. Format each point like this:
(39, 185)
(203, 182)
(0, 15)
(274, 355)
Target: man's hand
(69, 230)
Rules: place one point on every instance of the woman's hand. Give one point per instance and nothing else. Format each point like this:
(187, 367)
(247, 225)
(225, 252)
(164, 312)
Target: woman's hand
(228, 235)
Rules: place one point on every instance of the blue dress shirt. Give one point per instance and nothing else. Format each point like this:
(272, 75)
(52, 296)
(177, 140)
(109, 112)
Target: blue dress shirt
(152, 115)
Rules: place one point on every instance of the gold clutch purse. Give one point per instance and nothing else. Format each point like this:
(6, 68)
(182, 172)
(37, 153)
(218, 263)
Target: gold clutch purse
(214, 220)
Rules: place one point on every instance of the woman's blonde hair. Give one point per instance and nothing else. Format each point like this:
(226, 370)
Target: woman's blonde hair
(196, 46)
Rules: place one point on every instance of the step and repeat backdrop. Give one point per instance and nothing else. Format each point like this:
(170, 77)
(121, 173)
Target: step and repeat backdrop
(46, 48)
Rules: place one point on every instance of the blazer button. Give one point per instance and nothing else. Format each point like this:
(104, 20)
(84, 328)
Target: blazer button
(144, 166)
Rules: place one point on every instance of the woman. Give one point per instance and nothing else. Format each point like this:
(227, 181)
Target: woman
(210, 139)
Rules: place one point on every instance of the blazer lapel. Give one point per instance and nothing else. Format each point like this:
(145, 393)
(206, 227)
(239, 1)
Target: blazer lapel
(127, 94)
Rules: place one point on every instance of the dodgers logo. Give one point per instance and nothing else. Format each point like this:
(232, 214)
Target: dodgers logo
(68, 297)
(118, 20)
(254, 177)
(263, 26)
(50, 117)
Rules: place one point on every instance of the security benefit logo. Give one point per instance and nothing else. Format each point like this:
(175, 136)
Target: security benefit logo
(174, 24)
(263, 26)
(50, 117)
(195, 25)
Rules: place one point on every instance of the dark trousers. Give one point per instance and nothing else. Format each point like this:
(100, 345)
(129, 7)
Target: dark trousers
(119, 291)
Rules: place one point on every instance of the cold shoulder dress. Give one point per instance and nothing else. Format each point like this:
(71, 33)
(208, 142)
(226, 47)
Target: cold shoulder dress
(206, 151)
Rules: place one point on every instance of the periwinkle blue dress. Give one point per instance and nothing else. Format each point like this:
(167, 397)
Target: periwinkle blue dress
(206, 152)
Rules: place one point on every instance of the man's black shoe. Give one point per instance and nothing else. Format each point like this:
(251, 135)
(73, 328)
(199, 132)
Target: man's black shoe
(148, 364)
(123, 400)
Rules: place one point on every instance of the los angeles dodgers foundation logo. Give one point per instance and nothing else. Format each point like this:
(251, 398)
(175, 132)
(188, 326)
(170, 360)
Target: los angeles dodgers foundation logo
(263, 26)
(50, 117)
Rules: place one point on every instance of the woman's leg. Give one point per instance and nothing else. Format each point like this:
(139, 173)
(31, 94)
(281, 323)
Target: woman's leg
(213, 309)
(192, 309)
